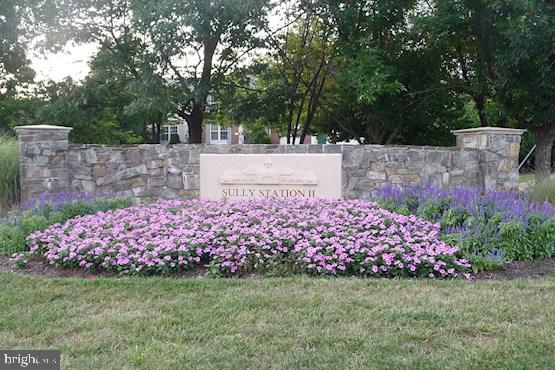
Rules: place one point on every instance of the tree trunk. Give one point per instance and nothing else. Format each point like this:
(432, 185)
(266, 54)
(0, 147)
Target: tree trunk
(158, 127)
(201, 92)
(480, 102)
(145, 133)
(194, 121)
(544, 140)
(290, 121)
(312, 107)
(154, 134)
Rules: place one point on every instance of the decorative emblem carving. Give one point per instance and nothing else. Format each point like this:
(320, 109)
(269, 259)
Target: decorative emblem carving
(267, 174)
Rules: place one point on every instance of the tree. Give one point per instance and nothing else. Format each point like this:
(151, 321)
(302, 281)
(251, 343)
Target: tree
(17, 110)
(526, 69)
(465, 33)
(87, 108)
(196, 44)
(181, 50)
(290, 80)
(16, 74)
(380, 77)
(303, 60)
(122, 94)
(502, 54)
(388, 85)
(15, 69)
(24, 23)
(109, 100)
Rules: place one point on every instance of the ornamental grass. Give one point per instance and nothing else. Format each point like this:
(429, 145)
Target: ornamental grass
(9, 173)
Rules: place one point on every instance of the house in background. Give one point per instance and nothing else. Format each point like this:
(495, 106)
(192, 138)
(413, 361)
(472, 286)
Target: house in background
(176, 130)
(212, 133)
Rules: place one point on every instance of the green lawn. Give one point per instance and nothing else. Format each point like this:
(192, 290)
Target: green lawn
(164, 323)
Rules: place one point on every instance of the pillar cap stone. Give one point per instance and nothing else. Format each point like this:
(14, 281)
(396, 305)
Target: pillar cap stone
(42, 128)
(489, 130)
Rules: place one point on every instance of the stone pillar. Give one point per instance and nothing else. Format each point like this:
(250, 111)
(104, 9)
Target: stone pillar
(43, 159)
(499, 149)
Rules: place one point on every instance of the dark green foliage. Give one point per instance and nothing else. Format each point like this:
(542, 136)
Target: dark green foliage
(17, 111)
(15, 70)
(15, 228)
(218, 31)
(257, 135)
(372, 71)
(542, 239)
(175, 139)
(487, 263)
(453, 217)
(433, 209)
(95, 110)
(514, 241)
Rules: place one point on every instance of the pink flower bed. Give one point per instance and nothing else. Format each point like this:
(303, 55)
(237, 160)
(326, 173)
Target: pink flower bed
(333, 237)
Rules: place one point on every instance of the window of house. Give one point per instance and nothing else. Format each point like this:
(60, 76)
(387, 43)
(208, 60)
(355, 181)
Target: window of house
(218, 134)
(214, 132)
(168, 132)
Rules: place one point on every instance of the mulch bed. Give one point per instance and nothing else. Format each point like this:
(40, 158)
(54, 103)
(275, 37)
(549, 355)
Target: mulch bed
(39, 267)
(521, 269)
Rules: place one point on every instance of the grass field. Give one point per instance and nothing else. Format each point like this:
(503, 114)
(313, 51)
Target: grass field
(163, 323)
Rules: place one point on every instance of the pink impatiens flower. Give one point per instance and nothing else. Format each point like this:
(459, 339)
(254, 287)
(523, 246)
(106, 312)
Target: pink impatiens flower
(334, 237)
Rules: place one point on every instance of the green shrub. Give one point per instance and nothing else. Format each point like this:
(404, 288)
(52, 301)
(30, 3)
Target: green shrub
(175, 140)
(257, 135)
(514, 241)
(542, 239)
(544, 191)
(433, 209)
(15, 228)
(487, 263)
(9, 173)
(454, 217)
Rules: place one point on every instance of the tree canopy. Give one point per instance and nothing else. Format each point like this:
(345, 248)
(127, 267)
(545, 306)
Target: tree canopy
(378, 72)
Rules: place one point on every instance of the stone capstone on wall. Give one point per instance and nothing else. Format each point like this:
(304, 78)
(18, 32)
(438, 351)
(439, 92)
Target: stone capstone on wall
(50, 164)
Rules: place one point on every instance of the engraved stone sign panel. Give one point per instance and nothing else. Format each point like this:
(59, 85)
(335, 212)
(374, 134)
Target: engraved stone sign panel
(270, 175)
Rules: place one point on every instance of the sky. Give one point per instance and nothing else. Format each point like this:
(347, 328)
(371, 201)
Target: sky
(72, 61)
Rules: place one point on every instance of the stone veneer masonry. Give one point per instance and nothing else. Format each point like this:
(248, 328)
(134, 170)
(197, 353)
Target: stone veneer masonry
(486, 157)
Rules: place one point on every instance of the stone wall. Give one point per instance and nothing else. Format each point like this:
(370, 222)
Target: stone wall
(483, 157)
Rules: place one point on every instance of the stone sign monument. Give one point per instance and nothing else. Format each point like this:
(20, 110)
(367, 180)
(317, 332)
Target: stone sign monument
(485, 157)
(270, 175)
